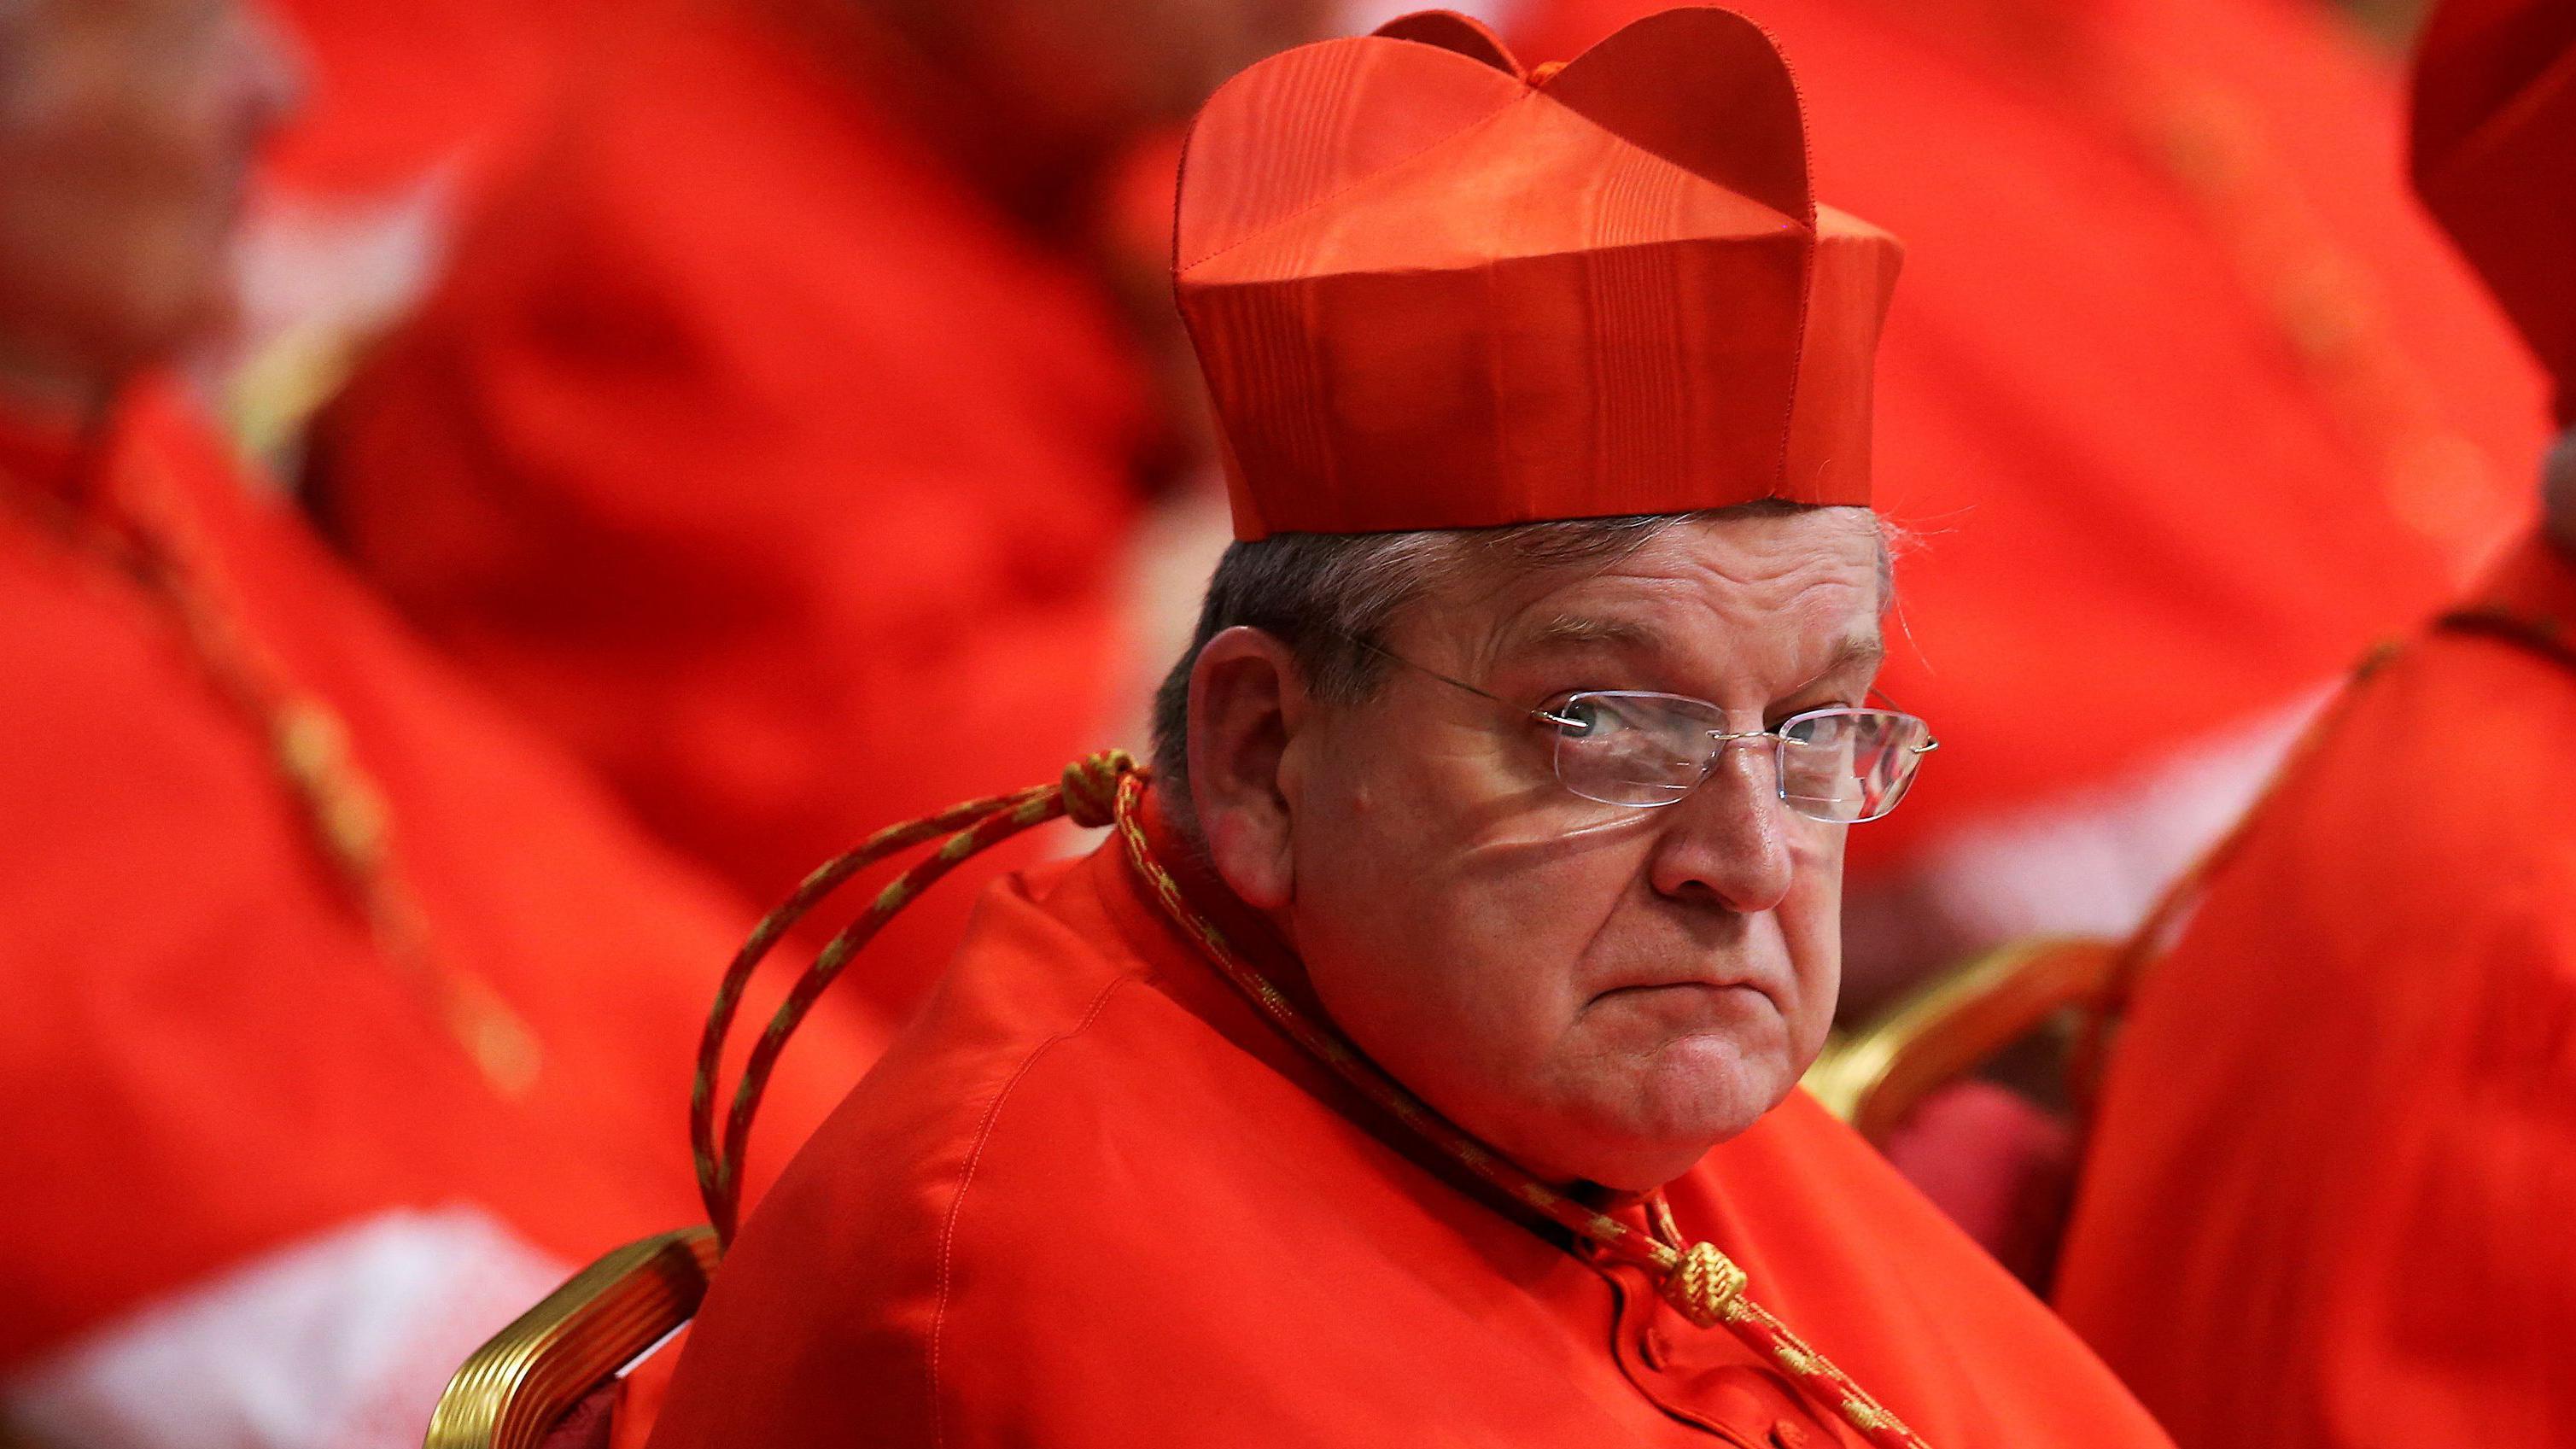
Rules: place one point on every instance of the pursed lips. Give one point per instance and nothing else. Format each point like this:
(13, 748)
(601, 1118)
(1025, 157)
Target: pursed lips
(1680, 988)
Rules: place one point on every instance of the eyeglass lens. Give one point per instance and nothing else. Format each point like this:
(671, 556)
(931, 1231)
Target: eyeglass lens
(1639, 749)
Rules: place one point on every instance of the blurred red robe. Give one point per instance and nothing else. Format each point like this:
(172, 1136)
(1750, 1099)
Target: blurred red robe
(1093, 1198)
(266, 1196)
(758, 461)
(2185, 400)
(2326, 1196)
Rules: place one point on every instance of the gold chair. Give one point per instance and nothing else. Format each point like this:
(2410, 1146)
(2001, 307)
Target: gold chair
(518, 1389)
(1944, 1030)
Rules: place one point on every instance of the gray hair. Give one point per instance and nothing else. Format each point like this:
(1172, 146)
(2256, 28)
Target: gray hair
(1332, 597)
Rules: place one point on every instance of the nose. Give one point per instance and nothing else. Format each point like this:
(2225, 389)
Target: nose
(1728, 840)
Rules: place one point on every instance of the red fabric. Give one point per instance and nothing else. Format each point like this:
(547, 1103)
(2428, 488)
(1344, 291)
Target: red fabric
(1091, 1198)
(2141, 518)
(760, 464)
(205, 1053)
(2325, 1201)
(398, 94)
(2495, 158)
(1430, 292)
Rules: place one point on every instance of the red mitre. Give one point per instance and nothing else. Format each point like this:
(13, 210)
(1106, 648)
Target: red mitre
(2495, 159)
(1432, 290)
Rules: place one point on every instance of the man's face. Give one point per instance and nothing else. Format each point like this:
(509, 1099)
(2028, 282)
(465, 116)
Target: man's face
(126, 132)
(1601, 992)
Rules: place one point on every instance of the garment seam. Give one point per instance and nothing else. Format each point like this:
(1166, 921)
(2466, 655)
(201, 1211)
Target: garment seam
(965, 1179)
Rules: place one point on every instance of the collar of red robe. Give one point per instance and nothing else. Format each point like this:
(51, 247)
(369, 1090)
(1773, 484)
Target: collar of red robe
(1251, 936)
(1696, 1278)
(2527, 599)
(1254, 937)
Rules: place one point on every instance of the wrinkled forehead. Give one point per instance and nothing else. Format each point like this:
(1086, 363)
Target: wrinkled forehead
(1767, 600)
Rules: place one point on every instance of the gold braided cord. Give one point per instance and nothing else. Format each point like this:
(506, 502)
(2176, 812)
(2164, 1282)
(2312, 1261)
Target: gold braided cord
(1083, 793)
(144, 532)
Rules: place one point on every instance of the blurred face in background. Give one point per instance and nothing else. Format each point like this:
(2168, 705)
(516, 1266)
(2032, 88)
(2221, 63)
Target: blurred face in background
(127, 129)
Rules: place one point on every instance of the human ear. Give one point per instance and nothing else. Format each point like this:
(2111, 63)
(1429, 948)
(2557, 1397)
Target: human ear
(1247, 700)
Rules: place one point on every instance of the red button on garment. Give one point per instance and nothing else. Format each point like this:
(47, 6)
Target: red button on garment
(1788, 1435)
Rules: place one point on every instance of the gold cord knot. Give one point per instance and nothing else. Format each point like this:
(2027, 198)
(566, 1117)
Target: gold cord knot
(1091, 787)
(1704, 1284)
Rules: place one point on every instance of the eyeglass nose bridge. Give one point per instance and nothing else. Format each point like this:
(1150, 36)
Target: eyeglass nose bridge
(1723, 738)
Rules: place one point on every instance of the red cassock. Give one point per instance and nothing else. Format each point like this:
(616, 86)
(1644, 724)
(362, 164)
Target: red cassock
(2326, 1196)
(759, 462)
(269, 1197)
(396, 95)
(2183, 397)
(1092, 1197)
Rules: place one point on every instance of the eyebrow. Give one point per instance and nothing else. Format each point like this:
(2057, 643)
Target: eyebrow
(1571, 630)
(1855, 651)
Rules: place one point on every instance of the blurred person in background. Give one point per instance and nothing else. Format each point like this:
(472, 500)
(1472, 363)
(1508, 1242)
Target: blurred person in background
(409, 111)
(2325, 1199)
(342, 1016)
(770, 443)
(2184, 402)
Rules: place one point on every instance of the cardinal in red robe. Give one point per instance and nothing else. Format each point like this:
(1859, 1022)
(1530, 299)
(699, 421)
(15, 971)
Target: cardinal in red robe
(2184, 404)
(2324, 1197)
(766, 445)
(344, 1016)
(1416, 1063)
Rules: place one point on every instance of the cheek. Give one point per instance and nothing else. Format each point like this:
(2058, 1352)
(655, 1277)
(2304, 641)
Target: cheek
(1437, 907)
(1811, 930)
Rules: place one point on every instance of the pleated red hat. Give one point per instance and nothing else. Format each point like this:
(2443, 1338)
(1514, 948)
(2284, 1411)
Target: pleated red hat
(1431, 290)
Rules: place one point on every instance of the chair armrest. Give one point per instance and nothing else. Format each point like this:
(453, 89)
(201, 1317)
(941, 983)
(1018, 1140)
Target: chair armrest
(515, 1387)
(1876, 1075)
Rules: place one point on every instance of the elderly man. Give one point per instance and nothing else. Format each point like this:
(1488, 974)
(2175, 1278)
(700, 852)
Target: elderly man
(1416, 1063)
(341, 1014)
(2326, 1197)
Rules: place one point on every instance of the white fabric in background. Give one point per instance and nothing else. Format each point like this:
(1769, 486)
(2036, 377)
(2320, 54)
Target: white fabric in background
(340, 1341)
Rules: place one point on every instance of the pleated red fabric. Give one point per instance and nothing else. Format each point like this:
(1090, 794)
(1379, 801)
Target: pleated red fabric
(1431, 291)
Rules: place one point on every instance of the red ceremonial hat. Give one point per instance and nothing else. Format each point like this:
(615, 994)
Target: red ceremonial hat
(2495, 159)
(1431, 290)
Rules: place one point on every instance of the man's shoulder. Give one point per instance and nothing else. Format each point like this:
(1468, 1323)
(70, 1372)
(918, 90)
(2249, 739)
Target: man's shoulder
(1046, 1032)
(1008, 1186)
